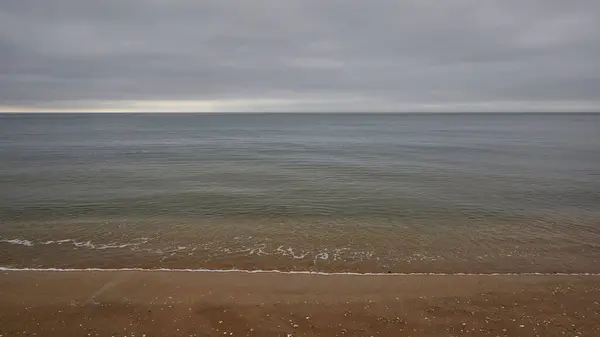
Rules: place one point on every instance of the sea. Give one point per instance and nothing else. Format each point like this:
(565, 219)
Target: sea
(359, 193)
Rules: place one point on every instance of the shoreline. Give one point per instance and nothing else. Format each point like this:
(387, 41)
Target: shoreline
(275, 271)
(236, 303)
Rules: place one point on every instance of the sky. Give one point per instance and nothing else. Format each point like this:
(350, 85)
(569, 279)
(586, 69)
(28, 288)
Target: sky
(300, 55)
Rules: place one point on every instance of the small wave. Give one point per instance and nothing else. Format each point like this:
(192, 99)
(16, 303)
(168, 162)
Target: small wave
(275, 271)
(57, 242)
(21, 242)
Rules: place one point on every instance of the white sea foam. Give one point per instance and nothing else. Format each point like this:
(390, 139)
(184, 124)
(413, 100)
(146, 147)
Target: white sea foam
(321, 256)
(78, 244)
(274, 271)
(289, 252)
(113, 245)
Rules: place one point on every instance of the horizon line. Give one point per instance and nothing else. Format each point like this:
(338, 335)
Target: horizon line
(299, 112)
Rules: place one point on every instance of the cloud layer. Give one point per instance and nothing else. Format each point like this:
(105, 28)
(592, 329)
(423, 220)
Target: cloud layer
(301, 55)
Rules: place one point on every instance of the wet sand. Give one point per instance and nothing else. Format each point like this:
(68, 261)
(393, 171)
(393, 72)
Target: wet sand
(154, 303)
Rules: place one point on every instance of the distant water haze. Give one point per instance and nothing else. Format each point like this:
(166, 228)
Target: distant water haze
(319, 192)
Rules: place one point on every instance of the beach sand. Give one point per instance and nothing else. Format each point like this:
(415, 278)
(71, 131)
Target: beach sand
(163, 303)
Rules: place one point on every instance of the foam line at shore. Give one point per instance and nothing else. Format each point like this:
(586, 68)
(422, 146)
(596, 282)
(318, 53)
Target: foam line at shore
(274, 271)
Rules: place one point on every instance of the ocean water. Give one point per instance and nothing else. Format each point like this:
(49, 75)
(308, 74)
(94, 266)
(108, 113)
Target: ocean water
(319, 192)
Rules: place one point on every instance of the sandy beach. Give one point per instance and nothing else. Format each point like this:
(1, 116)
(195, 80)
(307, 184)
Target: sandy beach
(163, 303)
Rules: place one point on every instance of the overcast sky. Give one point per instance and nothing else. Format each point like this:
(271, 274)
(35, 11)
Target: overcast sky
(301, 55)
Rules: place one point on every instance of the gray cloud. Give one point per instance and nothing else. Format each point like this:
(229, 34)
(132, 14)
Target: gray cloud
(301, 55)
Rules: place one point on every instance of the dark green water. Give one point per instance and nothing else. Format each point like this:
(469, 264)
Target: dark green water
(464, 192)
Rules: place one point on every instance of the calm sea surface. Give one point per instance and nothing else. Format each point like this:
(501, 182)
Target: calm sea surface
(326, 192)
